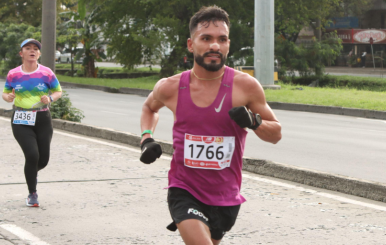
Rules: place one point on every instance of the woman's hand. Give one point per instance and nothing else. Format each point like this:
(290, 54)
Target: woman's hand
(9, 97)
(45, 99)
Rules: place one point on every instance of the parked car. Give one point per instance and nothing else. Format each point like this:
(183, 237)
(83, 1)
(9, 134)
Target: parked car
(65, 57)
(57, 55)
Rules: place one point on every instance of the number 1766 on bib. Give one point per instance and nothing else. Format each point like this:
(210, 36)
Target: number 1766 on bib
(208, 152)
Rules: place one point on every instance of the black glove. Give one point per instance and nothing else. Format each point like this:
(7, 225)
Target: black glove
(150, 151)
(245, 118)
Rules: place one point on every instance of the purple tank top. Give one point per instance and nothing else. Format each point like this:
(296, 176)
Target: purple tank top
(203, 138)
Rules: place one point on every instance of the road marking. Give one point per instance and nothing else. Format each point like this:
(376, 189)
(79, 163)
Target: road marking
(23, 234)
(106, 143)
(323, 194)
(331, 196)
(375, 120)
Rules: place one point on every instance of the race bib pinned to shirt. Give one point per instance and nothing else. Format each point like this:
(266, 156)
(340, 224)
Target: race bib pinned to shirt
(208, 152)
(24, 118)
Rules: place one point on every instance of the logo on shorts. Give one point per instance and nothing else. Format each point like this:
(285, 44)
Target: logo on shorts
(195, 212)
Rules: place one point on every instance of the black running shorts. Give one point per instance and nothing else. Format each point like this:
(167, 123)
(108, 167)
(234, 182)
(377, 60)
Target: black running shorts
(183, 206)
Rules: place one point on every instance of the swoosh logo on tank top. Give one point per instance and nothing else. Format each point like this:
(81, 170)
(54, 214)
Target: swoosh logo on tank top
(219, 108)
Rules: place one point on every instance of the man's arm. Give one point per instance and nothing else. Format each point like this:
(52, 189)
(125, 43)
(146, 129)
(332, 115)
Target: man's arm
(250, 93)
(149, 115)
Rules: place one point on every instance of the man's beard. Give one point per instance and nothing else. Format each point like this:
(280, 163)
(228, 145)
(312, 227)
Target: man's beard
(212, 66)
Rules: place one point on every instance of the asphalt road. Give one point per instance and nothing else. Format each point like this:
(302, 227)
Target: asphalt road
(97, 192)
(348, 146)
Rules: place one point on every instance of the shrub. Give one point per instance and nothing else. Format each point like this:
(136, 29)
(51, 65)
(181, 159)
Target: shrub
(360, 83)
(62, 109)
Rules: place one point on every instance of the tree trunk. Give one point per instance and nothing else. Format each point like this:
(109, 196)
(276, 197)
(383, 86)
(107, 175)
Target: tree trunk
(90, 68)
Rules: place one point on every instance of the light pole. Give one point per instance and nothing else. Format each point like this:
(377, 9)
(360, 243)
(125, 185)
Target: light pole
(49, 33)
(264, 43)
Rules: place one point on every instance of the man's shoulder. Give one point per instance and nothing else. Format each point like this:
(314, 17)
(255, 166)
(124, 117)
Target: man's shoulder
(167, 87)
(168, 83)
(244, 80)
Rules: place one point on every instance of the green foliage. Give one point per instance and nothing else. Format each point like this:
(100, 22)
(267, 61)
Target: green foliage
(143, 32)
(62, 109)
(293, 15)
(303, 58)
(28, 11)
(341, 82)
(11, 36)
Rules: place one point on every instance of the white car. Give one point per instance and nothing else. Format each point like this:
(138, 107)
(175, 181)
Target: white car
(65, 57)
(57, 55)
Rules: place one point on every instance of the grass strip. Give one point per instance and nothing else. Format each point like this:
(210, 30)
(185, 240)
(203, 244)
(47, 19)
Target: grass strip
(142, 82)
(341, 97)
(350, 98)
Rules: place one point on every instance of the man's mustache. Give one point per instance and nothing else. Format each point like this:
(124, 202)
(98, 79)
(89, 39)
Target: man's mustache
(212, 52)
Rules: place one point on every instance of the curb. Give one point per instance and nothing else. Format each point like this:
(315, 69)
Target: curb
(381, 115)
(329, 110)
(137, 91)
(357, 187)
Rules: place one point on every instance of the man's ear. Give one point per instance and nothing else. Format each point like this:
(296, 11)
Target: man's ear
(190, 45)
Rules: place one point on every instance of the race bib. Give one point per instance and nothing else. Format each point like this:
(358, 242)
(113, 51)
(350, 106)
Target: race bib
(208, 152)
(24, 117)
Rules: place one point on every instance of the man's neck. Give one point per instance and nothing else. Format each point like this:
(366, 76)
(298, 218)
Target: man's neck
(204, 75)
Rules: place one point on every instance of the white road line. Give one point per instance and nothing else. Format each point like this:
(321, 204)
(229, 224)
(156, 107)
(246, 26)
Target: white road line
(331, 196)
(106, 143)
(375, 120)
(323, 194)
(23, 235)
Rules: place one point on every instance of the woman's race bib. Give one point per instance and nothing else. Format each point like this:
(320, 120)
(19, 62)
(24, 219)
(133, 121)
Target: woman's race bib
(24, 117)
(208, 152)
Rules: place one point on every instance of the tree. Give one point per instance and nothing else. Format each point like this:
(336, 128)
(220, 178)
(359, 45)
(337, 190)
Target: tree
(27, 11)
(302, 58)
(11, 36)
(81, 27)
(291, 16)
(144, 30)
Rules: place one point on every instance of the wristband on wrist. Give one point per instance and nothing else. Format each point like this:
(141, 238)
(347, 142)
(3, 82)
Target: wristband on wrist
(147, 132)
(52, 99)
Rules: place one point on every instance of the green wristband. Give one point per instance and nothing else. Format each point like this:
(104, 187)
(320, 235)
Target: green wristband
(147, 132)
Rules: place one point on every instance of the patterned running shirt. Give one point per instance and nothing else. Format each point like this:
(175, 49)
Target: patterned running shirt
(30, 87)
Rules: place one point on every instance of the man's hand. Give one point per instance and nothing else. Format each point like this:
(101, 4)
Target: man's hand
(244, 117)
(150, 151)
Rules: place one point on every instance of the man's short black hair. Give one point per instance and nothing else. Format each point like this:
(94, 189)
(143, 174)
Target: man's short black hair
(208, 14)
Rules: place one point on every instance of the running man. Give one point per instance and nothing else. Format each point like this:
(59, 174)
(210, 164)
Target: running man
(28, 85)
(212, 105)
